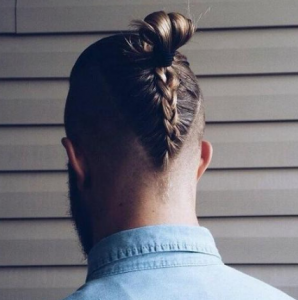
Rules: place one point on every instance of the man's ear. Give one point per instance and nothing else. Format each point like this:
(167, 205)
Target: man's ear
(206, 156)
(76, 160)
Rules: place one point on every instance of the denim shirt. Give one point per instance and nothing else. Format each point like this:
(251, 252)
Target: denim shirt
(166, 262)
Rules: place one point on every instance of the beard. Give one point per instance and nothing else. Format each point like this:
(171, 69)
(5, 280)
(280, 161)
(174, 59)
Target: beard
(78, 210)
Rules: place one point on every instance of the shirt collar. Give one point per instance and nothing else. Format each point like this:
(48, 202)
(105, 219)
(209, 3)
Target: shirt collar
(149, 239)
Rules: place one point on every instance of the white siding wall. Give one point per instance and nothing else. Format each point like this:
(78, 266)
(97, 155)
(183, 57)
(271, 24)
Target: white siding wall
(246, 58)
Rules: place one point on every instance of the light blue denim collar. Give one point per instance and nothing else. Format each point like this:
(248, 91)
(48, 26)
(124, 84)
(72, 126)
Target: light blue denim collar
(151, 239)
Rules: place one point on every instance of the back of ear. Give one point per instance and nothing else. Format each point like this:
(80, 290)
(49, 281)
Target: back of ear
(206, 156)
(76, 160)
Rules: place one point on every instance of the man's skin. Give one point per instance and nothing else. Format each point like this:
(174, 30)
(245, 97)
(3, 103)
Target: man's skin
(131, 199)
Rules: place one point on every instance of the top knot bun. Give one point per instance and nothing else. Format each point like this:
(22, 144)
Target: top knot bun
(163, 33)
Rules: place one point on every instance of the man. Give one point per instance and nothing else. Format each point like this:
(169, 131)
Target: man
(134, 121)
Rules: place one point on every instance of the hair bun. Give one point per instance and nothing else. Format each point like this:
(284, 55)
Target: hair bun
(163, 34)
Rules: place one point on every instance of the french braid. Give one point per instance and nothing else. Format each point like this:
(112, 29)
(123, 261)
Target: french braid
(167, 32)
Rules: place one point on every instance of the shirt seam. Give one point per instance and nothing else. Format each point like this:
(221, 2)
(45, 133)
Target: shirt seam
(101, 274)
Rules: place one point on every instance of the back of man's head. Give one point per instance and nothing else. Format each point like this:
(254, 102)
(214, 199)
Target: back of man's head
(134, 108)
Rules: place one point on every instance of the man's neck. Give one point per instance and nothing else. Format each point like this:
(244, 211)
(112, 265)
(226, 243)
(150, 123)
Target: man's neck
(123, 217)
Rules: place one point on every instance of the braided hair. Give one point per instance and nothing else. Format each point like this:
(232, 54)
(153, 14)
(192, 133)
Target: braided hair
(149, 83)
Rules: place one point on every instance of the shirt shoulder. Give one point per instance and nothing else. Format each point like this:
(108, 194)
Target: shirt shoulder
(218, 282)
(249, 287)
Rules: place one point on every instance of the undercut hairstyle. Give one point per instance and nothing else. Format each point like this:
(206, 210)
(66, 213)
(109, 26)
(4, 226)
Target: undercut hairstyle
(138, 84)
